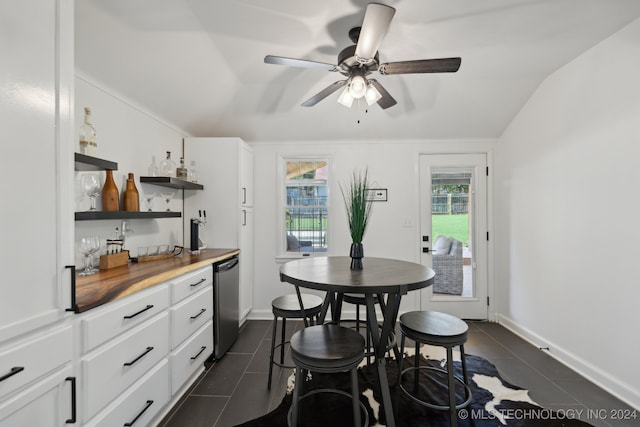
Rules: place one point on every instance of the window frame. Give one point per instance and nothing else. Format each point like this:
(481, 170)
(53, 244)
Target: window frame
(281, 228)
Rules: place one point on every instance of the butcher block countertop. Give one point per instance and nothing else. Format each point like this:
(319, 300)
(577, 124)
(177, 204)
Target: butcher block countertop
(115, 283)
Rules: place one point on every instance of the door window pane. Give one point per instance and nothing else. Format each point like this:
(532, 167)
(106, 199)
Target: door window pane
(451, 211)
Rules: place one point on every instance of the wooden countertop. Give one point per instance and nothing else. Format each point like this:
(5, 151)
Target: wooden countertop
(115, 283)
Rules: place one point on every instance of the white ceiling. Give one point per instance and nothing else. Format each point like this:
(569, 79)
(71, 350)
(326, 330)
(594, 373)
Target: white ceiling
(198, 64)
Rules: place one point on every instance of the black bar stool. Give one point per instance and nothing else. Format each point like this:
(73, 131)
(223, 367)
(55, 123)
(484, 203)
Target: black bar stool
(443, 330)
(288, 307)
(327, 349)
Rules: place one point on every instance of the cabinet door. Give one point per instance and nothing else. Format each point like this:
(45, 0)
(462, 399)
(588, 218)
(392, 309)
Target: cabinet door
(46, 403)
(246, 175)
(30, 184)
(246, 262)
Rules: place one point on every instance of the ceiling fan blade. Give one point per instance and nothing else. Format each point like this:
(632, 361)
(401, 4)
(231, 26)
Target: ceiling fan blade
(324, 93)
(387, 100)
(302, 63)
(442, 65)
(377, 19)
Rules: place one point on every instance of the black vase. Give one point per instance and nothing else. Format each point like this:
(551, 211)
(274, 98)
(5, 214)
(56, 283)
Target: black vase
(356, 254)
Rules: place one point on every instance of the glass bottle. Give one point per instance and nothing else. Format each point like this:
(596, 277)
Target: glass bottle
(153, 168)
(168, 166)
(193, 173)
(131, 197)
(87, 135)
(110, 196)
(181, 171)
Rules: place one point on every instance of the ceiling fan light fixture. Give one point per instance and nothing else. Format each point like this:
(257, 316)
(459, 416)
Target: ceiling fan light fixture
(357, 86)
(345, 98)
(372, 95)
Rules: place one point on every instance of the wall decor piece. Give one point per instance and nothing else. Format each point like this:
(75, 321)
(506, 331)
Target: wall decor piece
(377, 194)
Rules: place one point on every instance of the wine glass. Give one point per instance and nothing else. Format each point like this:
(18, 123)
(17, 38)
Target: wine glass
(96, 249)
(148, 197)
(167, 198)
(91, 187)
(89, 246)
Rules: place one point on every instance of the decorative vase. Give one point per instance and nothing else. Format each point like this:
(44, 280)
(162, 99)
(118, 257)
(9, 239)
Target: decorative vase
(356, 254)
(110, 195)
(131, 197)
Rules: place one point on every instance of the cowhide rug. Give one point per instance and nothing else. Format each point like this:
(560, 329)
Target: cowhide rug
(495, 402)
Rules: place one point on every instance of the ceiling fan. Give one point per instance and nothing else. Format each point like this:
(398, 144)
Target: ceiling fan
(358, 61)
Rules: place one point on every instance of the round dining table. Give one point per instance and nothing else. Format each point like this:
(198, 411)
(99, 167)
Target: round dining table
(388, 279)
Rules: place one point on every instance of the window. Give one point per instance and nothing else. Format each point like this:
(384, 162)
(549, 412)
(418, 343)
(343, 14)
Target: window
(306, 208)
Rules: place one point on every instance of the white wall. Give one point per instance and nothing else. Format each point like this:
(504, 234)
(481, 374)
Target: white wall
(567, 209)
(391, 164)
(129, 136)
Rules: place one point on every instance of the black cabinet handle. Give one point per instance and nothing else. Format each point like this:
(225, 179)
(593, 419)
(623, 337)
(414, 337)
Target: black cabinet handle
(72, 420)
(199, 353)
(132, 422)
(197, 283)
(244, 195)
(131, 316)
(74, 306)
(199, 314)
(12, 372)
(139, 357)
(244, 217)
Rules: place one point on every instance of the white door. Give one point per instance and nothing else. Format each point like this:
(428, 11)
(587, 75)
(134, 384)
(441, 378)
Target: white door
(453, 223)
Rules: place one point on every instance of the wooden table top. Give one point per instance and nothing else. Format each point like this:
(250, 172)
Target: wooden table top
(115, 283)
(377, 275)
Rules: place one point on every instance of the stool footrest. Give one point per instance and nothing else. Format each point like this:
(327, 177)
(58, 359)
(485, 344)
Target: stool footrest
(334, 391)
(433, 405)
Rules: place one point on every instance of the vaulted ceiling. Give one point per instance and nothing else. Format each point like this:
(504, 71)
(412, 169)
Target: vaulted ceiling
(198, 64)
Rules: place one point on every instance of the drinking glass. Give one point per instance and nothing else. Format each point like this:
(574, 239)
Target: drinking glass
(167, 198)
(89, 246)
(148, 197)
(91, 187)
(96, 249)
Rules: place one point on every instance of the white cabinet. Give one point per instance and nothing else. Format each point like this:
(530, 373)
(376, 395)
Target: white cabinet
(37, 132)
(228, 200)
(35, 371)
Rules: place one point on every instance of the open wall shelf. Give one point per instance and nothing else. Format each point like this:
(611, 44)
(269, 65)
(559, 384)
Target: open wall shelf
(171, 182)
(89, 163)
(99, 215)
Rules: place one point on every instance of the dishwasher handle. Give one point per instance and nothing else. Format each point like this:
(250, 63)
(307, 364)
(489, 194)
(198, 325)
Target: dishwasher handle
(227, 265)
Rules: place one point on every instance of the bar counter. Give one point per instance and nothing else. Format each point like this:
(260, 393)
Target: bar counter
(115, 283)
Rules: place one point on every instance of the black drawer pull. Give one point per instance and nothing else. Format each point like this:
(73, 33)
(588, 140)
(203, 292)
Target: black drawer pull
(199, 353)
(131, 316)
(139, 357)
(12, 372)
(199, 314)
(193, 285)
(72, 420)
(132, 422)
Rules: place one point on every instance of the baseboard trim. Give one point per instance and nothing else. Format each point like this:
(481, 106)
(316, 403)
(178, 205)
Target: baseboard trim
(604, 380)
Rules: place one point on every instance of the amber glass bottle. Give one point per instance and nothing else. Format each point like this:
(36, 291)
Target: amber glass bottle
(110, 196)
(131, 197)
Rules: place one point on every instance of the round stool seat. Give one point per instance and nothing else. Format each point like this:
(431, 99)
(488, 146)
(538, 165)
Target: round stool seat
(288, 306)
(327, 347)
(434, 328)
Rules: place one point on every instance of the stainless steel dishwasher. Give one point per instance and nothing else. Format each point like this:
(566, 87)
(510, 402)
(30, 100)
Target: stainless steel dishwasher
(226, 293)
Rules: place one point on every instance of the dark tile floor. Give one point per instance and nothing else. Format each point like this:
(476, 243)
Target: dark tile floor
(234, 389)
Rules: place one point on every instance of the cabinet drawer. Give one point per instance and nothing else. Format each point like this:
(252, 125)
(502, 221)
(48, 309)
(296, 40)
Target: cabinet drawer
(190, 283)
(191, 314)
(143, 400)
(110, 369)
(190, 356)
(30, 358)
(109, 321)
